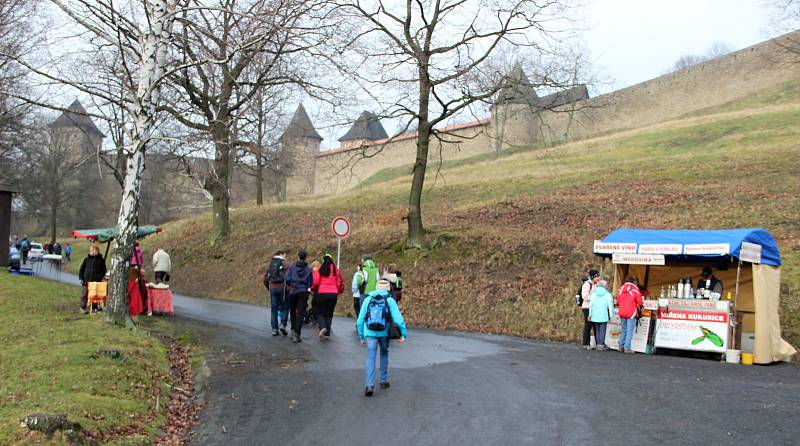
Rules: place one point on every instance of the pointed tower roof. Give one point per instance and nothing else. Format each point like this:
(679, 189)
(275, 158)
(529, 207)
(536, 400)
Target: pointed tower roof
(367, 126)
(518, 89)
(300, 126)
(75, 116)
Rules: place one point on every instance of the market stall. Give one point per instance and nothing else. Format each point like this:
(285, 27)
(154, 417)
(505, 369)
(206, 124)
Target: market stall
(733, 308)
(138, 290)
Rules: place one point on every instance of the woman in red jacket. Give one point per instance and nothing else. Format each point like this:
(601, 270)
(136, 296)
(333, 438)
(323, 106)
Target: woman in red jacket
(327, 283)
(629, 300)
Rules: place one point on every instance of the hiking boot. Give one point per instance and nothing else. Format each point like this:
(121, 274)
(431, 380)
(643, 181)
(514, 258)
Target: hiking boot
(629, 350)
(274, 332)
(368, 391)
(385, 385)
(322, 333)
(283, 330)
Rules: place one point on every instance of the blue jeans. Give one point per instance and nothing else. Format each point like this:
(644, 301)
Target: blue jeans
(628, 327)
(277, 306)
(372, 351)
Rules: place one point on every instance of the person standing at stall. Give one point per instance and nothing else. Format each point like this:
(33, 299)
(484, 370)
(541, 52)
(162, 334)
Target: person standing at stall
(586, 295)
(629, 300)
(161, 265)
(600, 310)
(709, 282)
(93, 269)
(328, 284)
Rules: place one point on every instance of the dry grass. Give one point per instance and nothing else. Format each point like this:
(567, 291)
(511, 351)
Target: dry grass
(509, 237)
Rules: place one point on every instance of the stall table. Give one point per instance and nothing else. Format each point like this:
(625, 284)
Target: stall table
(159, 300)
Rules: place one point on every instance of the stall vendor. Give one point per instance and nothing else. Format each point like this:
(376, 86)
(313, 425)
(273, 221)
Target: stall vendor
(709, 282)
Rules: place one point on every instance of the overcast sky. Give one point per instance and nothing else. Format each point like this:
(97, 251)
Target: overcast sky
(635, 40)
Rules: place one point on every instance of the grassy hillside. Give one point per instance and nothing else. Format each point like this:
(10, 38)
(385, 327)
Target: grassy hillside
(509, 236)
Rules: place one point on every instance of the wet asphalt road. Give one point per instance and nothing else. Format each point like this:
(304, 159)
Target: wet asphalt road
(468, 389)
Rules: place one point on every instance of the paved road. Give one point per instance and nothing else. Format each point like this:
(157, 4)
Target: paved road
(468, 389)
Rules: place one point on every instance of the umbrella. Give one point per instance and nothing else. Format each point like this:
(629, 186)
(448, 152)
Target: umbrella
(106, 235)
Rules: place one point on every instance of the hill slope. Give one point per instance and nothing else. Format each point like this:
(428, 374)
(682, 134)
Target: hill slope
(510, 236)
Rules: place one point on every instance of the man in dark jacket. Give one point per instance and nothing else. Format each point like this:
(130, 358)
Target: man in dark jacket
(298, 282)
(93, 269)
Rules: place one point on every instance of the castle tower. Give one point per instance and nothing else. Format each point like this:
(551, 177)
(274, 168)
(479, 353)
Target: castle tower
(300, 143)
(76, 130)
(513, 113)
(76, 134)
(366, 128)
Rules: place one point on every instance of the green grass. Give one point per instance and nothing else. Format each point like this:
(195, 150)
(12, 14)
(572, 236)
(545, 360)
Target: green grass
(45, 367)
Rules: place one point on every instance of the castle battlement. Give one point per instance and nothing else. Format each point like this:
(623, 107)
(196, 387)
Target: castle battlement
(520, 117)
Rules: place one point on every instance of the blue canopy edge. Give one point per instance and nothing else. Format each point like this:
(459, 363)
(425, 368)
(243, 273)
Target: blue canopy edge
(770, 255)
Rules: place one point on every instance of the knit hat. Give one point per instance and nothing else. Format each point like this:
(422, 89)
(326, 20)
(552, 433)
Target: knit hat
(602, 284)
(383, 285)
(593, 273)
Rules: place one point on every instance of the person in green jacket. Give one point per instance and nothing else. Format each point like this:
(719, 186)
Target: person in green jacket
(370, 274)
(600, 309)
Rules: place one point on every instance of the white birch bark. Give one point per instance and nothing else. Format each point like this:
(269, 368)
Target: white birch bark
(151, 67)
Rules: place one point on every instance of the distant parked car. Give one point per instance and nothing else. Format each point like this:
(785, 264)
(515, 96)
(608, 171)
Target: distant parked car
(37, 250)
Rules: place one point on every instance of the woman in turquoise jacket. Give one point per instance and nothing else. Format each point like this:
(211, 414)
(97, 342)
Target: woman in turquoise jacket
(600, 309)
(378, 338)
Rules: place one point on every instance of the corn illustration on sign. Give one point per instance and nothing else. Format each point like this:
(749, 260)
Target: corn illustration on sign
(693, 330)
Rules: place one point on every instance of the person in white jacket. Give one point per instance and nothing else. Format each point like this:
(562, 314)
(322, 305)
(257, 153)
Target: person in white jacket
(161, 265)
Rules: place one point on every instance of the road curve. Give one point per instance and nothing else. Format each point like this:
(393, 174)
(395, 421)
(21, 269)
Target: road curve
(468, 389)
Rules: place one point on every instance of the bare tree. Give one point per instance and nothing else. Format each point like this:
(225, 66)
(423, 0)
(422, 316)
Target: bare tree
(442, 48)
(717, 49)
(259, 130)
(51, 179)
(16, 39)
(207, 97)
(784, 18)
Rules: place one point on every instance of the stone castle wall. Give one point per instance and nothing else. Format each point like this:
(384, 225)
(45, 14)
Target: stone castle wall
(343, 170)
(716, 82)
(709, 84)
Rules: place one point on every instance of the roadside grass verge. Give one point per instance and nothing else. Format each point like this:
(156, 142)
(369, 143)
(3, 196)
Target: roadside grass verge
(46, 367)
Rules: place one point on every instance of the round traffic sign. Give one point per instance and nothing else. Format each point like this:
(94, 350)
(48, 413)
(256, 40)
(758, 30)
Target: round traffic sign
(341, 227)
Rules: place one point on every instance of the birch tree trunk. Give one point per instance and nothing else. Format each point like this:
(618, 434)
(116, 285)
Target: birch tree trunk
(151, 68)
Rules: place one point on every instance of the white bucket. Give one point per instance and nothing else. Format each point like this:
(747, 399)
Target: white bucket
(732, 356)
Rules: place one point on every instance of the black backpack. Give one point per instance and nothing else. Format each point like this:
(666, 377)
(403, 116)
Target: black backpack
(275, 272)
(579, 294)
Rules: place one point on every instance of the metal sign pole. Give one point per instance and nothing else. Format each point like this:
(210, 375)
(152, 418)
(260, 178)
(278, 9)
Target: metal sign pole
(338, 252)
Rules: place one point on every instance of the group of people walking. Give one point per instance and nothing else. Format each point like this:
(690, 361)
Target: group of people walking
(375, 304)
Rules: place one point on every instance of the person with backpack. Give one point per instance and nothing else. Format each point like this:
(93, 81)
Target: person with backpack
(395, 279)
(377, 314)
(68, 252)
(600, 310)
(629, 301)
(24, 249)
(298, 280)
(328, 284)
(584, 299)
(275, 282)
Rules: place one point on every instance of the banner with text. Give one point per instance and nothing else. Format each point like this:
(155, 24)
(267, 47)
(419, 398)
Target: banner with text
(693, 330)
